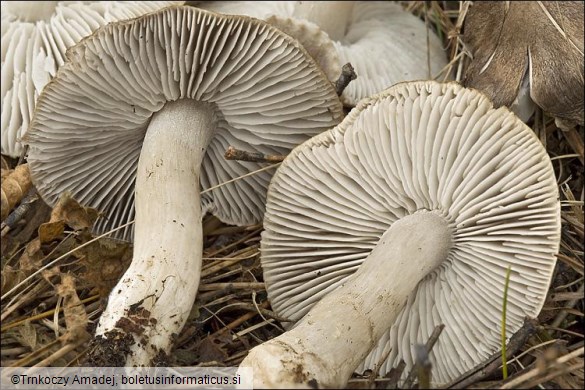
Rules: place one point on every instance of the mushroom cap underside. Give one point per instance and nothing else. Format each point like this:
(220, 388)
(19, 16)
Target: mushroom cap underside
(419, 145)
(35, 38)
(91, 119)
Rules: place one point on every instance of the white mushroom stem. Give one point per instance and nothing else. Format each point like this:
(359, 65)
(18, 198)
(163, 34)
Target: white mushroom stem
(331, 16)
(339, 331)
(156, 293)
(30, 11)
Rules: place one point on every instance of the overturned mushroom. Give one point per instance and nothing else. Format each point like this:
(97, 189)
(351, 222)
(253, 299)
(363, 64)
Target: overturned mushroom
(156, 101)
(526, 51)
(35, 36)
(384, 43)
(403, 217)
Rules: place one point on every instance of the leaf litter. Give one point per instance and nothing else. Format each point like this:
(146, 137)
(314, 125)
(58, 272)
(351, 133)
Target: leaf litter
(50, 309)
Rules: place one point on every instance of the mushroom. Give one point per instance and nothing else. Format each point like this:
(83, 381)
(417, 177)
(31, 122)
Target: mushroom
(526, 52)
(156, 101)
(384, 43)
(403, 217)
(35, 36)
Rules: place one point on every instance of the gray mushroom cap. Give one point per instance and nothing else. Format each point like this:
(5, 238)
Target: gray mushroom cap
(87, 132)
(35, 37)
(419, 145)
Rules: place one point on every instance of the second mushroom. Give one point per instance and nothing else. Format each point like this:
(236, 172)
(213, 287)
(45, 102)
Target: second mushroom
(403, 217)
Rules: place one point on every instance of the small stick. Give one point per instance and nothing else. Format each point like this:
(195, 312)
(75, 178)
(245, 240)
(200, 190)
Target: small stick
(34, 355)
(553, 370)
(233, 244)
(232, 325)
(377, 367)
(347, 75)
(241, 155)
(424, 366)
(232, 286)
(224, 264)
(18, 213)
(575, 141)
(395, 374)
(22, 155)
(264, 312)
(428, 347)
(563, 313)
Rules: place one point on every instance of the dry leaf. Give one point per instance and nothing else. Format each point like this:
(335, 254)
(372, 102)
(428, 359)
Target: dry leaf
(212, 348)
(105, 261)
(76, 318)
(51, 274)
(50, 231)
(11, 277)
(32, 256)
(27, 335)
(543, 38)
(73, 214)
(69, 212)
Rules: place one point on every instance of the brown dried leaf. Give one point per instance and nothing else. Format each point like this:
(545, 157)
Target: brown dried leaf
(212, 348)
(14, 187)
(11, 277)
(105, 261)
(50, 231)
(73, 214)
(27, 335)
(76, 318)
(544, 38)
(30, 260)
(51, 274)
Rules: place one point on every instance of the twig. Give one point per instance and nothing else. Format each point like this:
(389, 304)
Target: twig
(18, 213)
(423, 367)
(40, 316)
(229, 261)
(395, 374)
(64, 350)
(233, 229)
(551, 372)
(232, 286)
(240, 177)
(377, 367)
(231, 245)
(22, 155)
(241, 155)
(347, 75)
(563, 314)
(428, 348)
(239, 321)
(251, 328)
(264, 312)
(575, 141)
(31, 357)
(494, 362)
